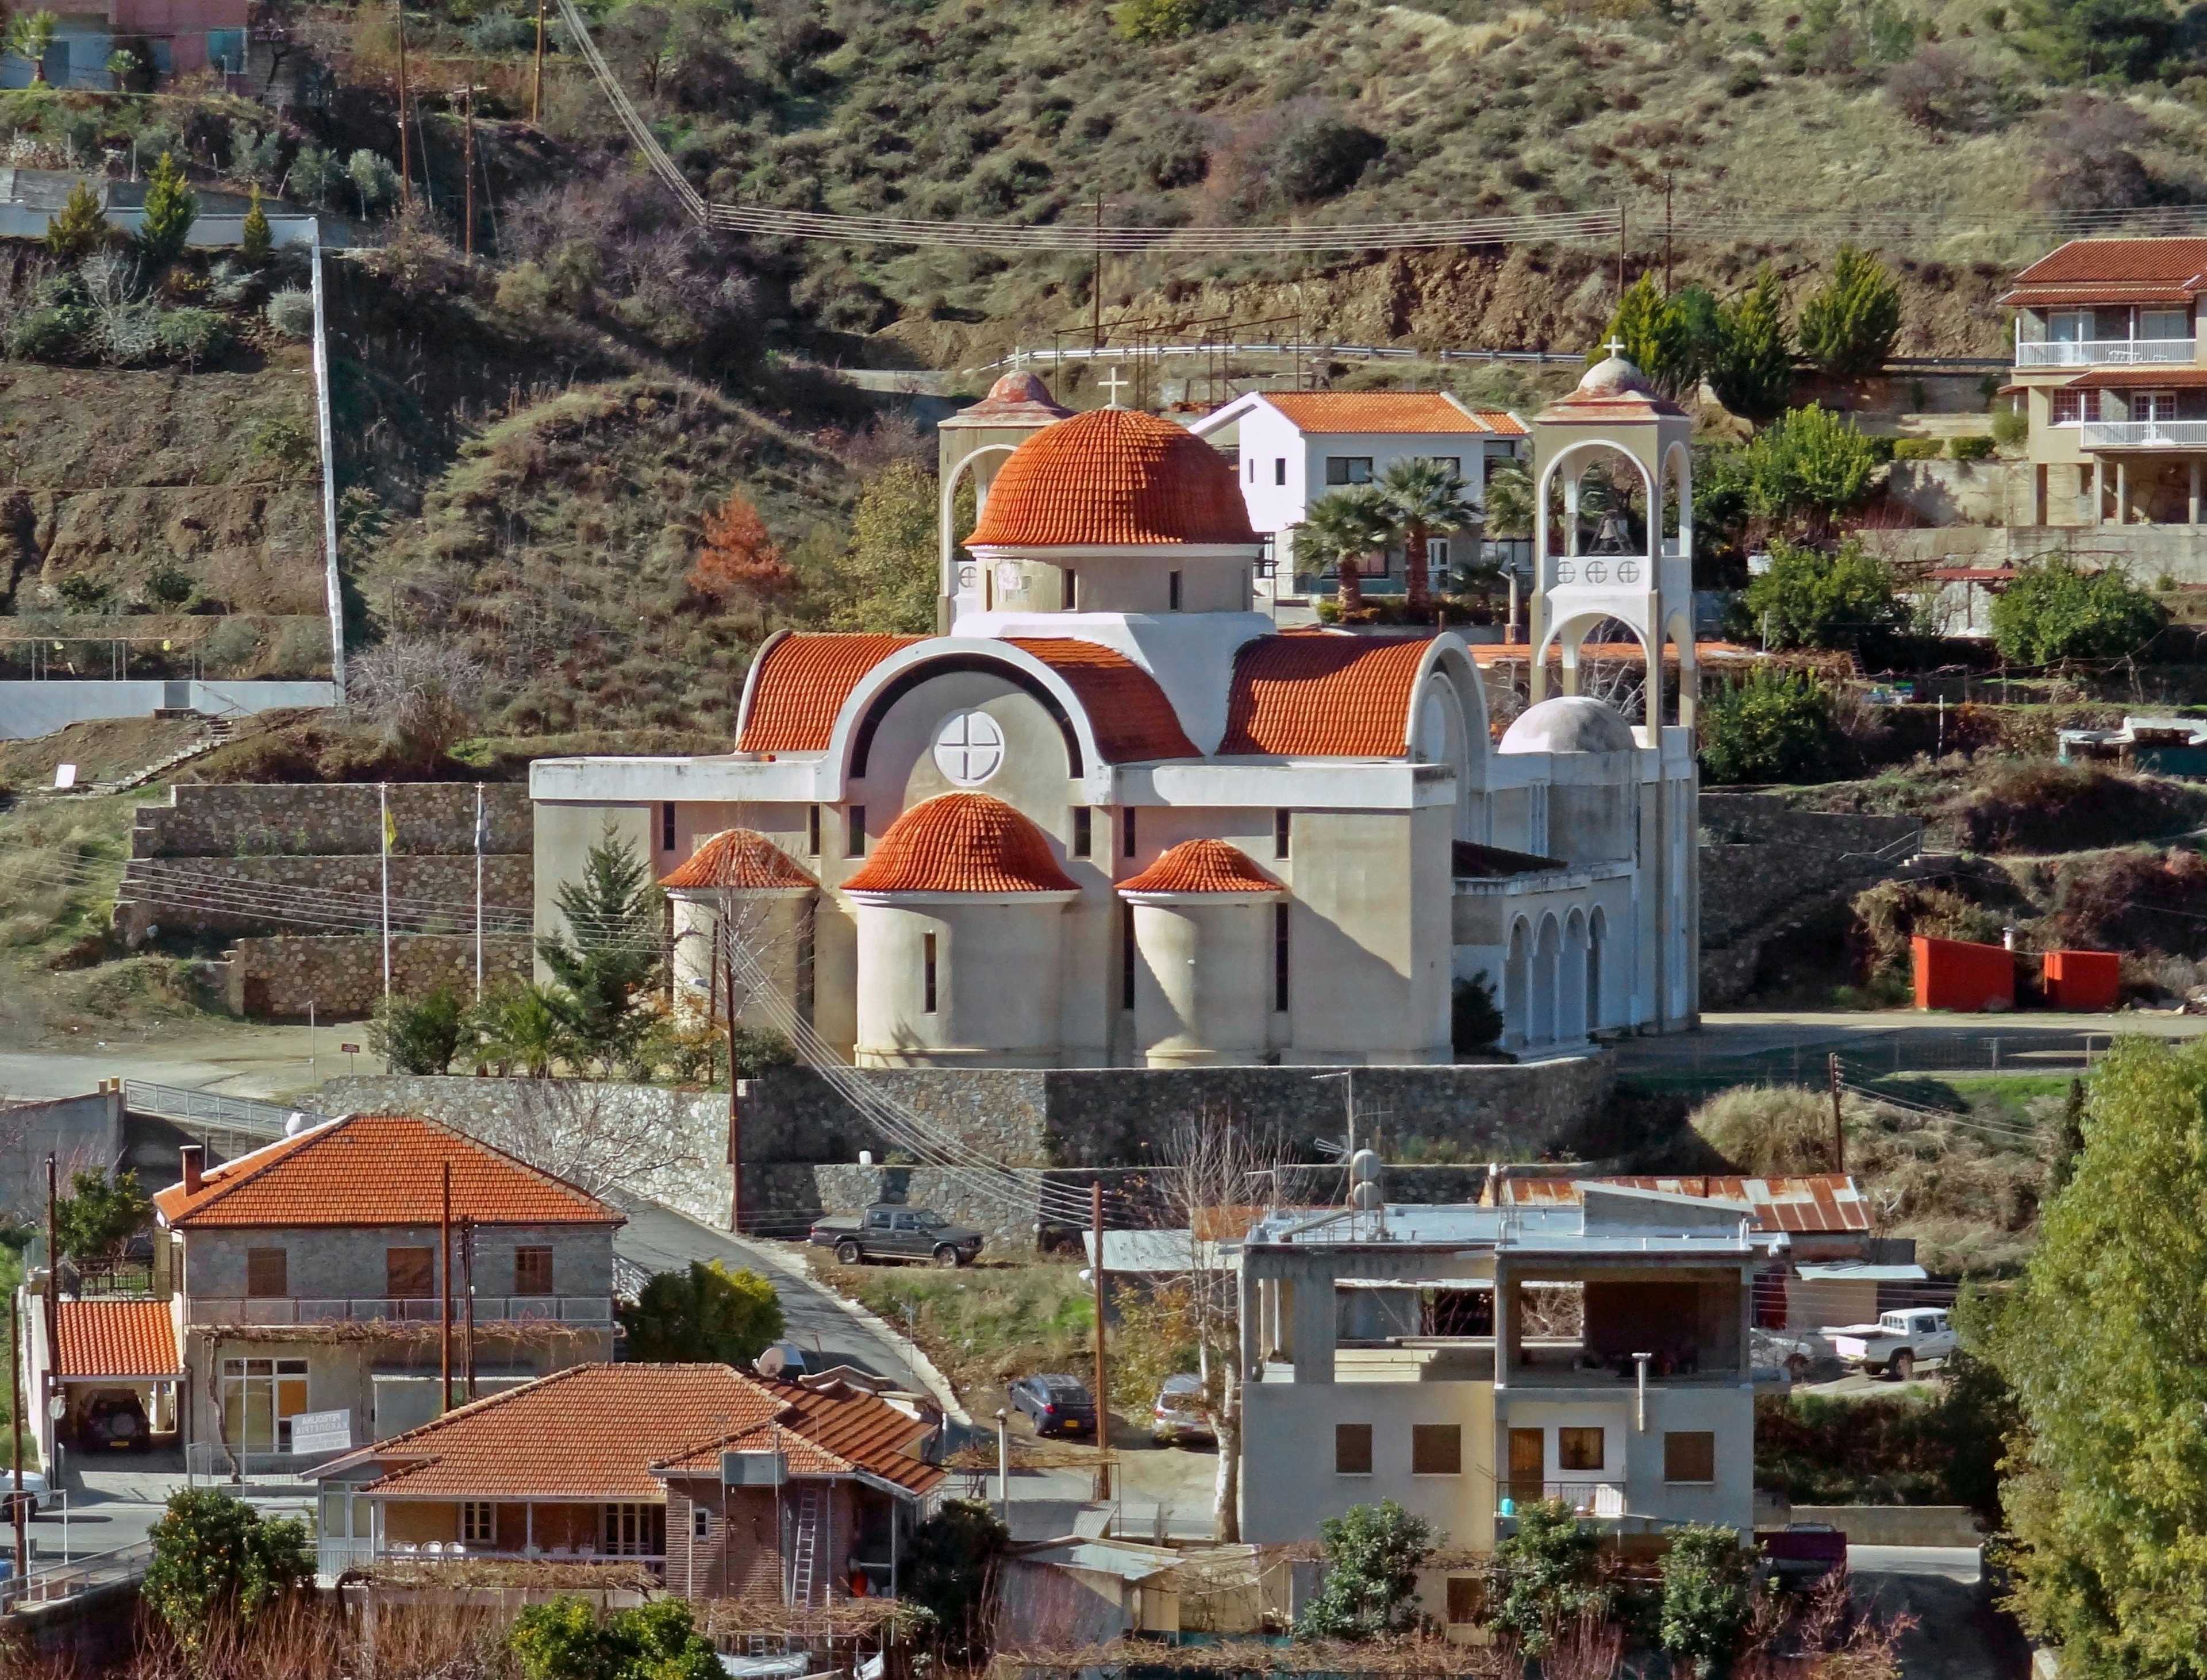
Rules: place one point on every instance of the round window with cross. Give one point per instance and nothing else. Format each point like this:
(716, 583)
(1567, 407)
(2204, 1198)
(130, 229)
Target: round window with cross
(969, 748)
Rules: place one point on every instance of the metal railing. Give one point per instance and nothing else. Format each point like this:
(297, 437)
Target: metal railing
(218, 1310)
(2143, 434)
(2104, 353)
(241, 1115)
(218, 1461)
(1587, 1499)
(66, 1580)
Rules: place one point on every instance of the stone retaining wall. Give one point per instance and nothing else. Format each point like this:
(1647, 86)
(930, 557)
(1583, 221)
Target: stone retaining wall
(246, 819)
(349, 882)
(276, 977)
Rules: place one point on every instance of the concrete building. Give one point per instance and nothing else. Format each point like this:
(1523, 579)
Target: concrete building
(1389, 1356)
(1113, 819)
(311, 1277)
(1291, 448)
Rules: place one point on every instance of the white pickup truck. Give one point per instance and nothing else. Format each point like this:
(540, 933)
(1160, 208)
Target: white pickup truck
(1896, 1343)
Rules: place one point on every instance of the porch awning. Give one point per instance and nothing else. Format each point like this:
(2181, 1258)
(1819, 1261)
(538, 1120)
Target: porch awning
(2141, 378)
(116, 1342)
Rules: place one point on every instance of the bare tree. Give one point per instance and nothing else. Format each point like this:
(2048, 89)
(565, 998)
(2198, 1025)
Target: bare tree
(596, 1138)
(420, 692)
(1219, 1176)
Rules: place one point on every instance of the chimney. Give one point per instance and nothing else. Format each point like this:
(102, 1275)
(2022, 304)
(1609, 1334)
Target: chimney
(194, 1157)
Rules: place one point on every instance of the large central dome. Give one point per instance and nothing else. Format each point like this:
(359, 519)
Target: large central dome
(1113, 478)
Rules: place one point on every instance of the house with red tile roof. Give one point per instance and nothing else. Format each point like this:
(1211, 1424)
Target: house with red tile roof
(1291, 448)
(323, 1284)
(727, 1486)
(1112, 815)
(2108, 368)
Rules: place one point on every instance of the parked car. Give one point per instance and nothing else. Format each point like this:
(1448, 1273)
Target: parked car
(887, 1231)
(1056, 1403)
(1179, 1414)
(34, 1491)
(1896, 1343)
(1804, 1552)
(115, 1419)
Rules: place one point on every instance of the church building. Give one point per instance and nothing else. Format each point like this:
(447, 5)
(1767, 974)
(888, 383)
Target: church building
(1110, 817)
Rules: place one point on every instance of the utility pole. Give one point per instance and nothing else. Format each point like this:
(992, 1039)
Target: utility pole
(444, 1282)
(468, 222)
(15, 1425)
(405, 168)
(1096, 302)
(467, 1284)
(1103, 1406)
(1839, 1135)
(1666, 233)
(735, 1109)
(536, 88)
(1620, 248)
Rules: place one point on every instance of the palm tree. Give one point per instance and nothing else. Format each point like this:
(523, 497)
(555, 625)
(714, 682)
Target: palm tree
(31, 35)
(1340, 531)
(1423, 497)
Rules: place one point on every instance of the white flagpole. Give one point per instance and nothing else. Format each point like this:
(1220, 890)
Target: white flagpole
(383, 839)
(482, 839)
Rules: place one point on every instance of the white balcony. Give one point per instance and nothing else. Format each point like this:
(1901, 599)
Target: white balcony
(2143, 434)
(2105, 353)
(490, 1310)
(1587, 1499)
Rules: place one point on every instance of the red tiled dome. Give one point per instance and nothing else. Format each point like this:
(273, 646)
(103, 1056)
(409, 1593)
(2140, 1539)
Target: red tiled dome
(1202, 866)
(962, 843)
(738, 858)
(1113, 477)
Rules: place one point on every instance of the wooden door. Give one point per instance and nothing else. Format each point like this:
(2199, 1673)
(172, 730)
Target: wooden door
(1528, 1464)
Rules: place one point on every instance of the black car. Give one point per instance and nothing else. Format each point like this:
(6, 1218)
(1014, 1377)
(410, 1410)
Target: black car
(1056, 1404)
(890, 1231)
(115, 1418)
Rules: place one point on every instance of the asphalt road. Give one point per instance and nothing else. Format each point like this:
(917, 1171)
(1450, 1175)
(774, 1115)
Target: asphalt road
(1959, 1633)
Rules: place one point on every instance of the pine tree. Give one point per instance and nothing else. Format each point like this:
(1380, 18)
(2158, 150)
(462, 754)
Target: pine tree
(256, 240)
(1752, 367)
(171, 208)
(1849, 325)
(612, 914)
(81, 229)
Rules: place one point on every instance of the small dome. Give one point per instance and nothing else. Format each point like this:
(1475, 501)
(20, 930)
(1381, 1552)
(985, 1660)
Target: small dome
(1202, 866)
(1015, 400)
(1569, 723)
(737, 859)
(1113, 478)
(962, 843)
(1020, 388)
(1614, 377)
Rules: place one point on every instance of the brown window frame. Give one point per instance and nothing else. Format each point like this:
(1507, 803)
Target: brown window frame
(391, 1276)
(1436, 1449)
(257, 1260)
(1674, 1447)
(527, 1260)
(1352, 1442)
(1570, 1448)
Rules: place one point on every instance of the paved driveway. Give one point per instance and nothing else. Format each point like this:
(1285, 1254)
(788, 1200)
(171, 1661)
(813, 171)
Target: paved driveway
(1959, 1633)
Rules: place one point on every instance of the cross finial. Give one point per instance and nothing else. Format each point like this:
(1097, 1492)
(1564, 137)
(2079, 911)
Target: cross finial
(1114, 384)
(1616, 346)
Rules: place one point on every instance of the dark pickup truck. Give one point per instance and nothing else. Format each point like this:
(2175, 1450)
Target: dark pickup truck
(887, 1231)
(1803, 1551)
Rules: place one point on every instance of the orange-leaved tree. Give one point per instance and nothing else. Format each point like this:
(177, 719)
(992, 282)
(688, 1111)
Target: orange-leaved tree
(738, 558)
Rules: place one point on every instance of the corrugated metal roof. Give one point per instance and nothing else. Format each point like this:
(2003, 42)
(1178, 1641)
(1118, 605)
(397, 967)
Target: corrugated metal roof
(1818, 1204)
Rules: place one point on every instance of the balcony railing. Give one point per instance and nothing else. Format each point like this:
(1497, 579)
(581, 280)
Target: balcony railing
(217, 1310)
(2143, 434)
(335, 1554)
(1587, 1499)
(2104, 353)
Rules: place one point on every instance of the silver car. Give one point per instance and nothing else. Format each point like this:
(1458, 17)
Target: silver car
(1179, 1414)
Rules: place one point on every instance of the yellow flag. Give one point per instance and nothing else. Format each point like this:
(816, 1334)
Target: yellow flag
(390, 831)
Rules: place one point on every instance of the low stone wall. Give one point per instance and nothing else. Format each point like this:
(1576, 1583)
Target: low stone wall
(341, 975)
(1897, 1525)
(688, 1128)
(246, 819)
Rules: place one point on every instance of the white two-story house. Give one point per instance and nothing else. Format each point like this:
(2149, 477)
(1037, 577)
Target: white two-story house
(1464, 1361)
(1291, 448)
(329, 1274)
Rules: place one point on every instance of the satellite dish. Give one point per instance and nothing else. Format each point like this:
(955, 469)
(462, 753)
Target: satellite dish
(1364, 1167)
(294, 1123)
(1367, 1198)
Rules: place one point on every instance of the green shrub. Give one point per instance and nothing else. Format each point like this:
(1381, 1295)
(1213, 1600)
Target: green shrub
(1767, 1130)
(1372, 1554)
(1475, 1021)
(1548, 1574)
(169, 585)
(2010, 426)
(191, 335)
(100, 1214)
(291, 313)
(418, 1035)
(1919, 449)
(1848, 326)
(216, 1560)
(949, 1571)
(707, 1315)
(81, 229)
(2056, 610)
(1325, 157)
(170, 208)
(1705, 1605)
(1976, 448)
(1809, 598)
(1771, 728)
(80, 592)
(1150, 20)
(1807, 466)
(42, 335)
(564, 1640)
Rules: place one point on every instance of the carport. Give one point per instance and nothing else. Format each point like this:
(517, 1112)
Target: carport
(110, 1347)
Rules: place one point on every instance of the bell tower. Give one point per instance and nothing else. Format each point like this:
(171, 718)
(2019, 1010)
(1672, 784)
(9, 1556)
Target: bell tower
(978, 439)
(1649, 584)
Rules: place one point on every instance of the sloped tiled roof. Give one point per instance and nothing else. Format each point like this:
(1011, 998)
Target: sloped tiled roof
(1202, 866)
(2141, 378)
(1322, 696)
(1802, 1203)
(2174, 263)
(802, 683)
(831, 1433)
(739, 860)
(588, 1432)
(118, 1339)
(1115, 478)
(962, 843)
(378, 1169)
(1133, 718)
(1383, 411)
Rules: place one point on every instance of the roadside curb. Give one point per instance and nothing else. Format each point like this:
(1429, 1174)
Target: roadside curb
(937, 1384)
